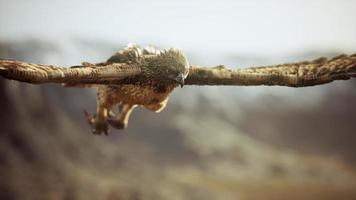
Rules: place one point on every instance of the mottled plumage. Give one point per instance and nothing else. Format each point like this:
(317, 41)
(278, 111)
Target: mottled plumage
(163, 72)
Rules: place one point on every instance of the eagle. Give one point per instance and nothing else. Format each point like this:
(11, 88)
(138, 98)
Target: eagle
(146, 77)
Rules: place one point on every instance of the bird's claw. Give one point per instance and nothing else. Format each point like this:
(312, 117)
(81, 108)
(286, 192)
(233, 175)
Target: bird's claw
(114, 121)
(118, 124)
(98, 126)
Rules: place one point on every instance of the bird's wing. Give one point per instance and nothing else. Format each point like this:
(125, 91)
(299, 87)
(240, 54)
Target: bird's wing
(300, 74)
(92, 74)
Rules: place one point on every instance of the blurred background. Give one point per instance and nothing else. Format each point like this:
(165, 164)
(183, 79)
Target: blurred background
(210, 142)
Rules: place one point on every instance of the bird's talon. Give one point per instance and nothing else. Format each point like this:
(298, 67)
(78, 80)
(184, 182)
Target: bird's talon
(98, 126)
(116, 123)
(90, 118)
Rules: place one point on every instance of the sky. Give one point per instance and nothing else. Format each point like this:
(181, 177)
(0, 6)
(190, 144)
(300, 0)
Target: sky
(254, 27)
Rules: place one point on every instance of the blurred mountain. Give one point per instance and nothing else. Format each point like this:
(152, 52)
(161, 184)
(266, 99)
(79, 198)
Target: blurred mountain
(209, 143)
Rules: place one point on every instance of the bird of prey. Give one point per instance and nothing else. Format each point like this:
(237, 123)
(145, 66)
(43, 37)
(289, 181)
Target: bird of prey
(146, 77)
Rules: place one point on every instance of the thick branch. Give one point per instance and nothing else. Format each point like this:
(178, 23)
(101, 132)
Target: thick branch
(299, 74)
(93, 74)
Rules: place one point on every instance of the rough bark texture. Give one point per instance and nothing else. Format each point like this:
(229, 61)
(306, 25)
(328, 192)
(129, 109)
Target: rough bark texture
(300, 74)
(87, 74)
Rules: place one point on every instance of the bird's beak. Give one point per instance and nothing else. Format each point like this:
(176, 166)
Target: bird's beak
(180, 79)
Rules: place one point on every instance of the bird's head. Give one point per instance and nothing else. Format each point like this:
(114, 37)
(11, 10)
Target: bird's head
(171, 65)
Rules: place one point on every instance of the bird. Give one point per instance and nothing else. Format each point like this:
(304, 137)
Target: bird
(163, 72)
(146, 77)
